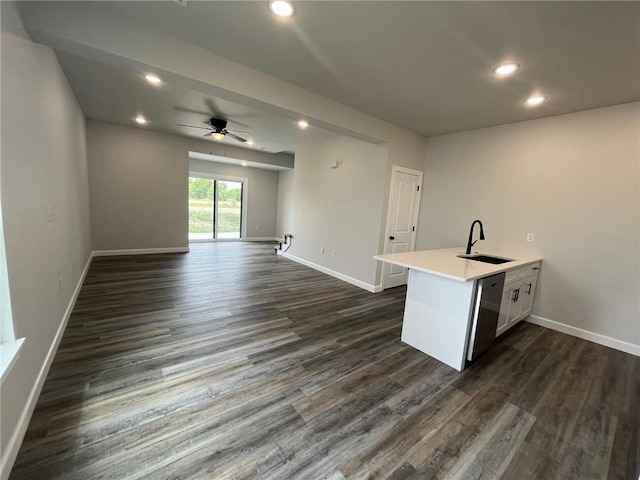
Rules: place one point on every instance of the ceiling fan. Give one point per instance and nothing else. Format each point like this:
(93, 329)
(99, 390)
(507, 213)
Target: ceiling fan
(218, 129)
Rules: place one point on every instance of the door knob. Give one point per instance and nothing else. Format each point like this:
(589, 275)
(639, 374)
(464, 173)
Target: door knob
(392, 237)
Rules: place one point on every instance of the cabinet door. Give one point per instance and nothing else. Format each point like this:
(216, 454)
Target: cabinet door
(516, 303)
(503, 318)
(527, 291)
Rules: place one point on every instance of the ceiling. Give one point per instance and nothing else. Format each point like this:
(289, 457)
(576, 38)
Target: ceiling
(116, 95)
(234, 161)
(423, 66)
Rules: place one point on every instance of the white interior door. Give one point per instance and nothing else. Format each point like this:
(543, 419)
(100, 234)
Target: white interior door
(402, 221)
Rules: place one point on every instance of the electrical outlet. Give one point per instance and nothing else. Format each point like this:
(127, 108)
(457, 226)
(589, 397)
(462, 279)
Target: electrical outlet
(530, 237)
(322, 250)
(60, 282)
(333, 253)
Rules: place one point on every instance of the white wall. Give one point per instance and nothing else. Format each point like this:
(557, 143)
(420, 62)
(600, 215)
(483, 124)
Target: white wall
(339, 209)
(261, 193)
(573, 180)
(44, 162)
(284, 221)
(139, 187)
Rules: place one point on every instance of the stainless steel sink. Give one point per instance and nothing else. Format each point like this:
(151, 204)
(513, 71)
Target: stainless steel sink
(486, 259)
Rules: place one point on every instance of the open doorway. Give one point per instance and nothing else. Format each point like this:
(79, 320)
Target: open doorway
(215, 208)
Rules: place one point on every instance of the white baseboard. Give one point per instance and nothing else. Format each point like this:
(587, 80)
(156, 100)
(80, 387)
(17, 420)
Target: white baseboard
(249, 239)
(13, 446)
(263, 239)
(586, 335)
(139, 251)
(333, 273)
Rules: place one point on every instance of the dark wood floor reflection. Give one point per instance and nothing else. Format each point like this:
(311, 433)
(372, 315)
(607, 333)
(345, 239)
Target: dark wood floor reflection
(232, 362)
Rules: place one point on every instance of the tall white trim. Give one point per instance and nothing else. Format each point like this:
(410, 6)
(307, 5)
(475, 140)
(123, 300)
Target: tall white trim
(13, 446)
(138, 251)
(333, 273)
(586, 335)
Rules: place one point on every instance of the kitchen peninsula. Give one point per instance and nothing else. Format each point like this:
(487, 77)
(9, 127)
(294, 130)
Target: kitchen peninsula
(443, 297)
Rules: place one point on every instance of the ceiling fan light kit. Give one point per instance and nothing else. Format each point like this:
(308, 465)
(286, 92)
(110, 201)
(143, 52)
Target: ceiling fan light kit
(218, 130)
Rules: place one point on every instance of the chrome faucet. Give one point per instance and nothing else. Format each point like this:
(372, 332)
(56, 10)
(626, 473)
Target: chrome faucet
(470, 243)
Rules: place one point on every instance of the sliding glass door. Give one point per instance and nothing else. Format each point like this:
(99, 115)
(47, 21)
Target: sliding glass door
(229, 209)
(215, 208)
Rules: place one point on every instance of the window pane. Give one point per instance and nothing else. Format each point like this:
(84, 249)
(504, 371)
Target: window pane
(229, 209)
(200, 208)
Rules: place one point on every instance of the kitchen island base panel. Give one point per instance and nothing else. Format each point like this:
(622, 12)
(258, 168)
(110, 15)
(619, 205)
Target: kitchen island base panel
(437, 316)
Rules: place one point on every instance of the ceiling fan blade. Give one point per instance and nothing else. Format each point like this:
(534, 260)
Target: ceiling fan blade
(236, 137)
(240, 131)
(193, 126)
(208, 134)
(191, 110)
(236, 122)
(210, 102)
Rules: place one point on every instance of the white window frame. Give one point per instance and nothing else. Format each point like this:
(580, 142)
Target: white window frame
(9, 345)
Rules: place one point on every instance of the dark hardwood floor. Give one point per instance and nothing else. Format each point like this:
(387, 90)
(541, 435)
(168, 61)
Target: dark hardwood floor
(232, 362)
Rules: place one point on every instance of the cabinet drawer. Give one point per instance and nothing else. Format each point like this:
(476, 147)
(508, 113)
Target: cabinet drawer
(522, 272)
(533, 269)
(511, 276)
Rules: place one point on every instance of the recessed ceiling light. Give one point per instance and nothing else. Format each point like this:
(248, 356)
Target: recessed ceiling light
(303, 124)
(535, 100)
(244, 164)
(506, 69)
(281, 8)
(249, 142)
(141, 120)
(153, 78)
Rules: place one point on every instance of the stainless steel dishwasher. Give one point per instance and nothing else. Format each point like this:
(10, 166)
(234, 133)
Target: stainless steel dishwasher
(485, 317)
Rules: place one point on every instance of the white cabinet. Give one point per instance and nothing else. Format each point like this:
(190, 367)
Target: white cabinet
(517, 296)
(526, 294)
(503, 318)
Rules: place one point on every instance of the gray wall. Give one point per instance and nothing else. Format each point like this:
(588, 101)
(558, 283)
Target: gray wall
(138, 184)
(83, 29)
(573, 180)
(138, 181)
(339, 209)
(261, 194)
(284, 222)
(44, 163)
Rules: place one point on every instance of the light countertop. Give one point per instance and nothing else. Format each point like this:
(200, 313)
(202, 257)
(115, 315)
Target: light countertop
(445, 263)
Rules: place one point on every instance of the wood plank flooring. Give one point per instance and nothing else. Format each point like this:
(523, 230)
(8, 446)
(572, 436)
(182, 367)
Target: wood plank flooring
(230, 362)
